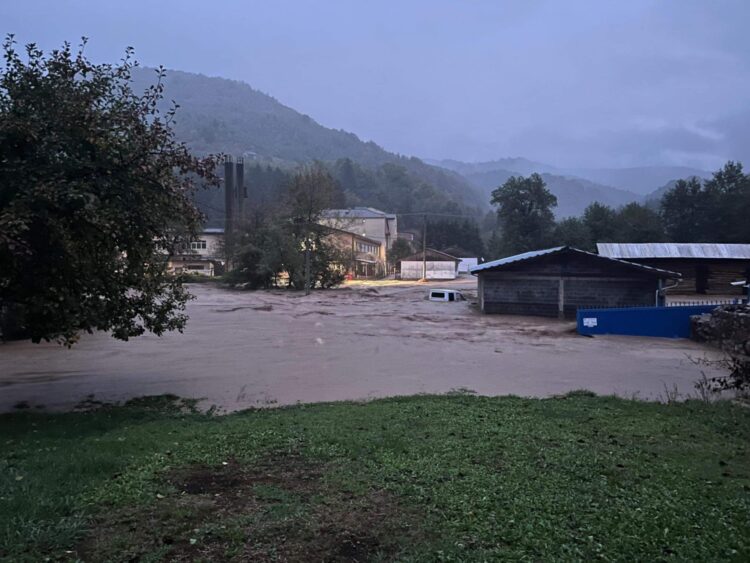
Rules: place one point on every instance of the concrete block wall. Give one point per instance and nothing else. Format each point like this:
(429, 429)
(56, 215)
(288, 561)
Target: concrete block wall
(519, 296)
(610, 292)
(539, 296)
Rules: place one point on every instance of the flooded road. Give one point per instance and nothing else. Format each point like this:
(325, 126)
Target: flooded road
(254, 349)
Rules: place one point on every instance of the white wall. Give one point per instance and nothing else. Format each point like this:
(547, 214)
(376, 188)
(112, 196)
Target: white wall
(214, 245)
(435, 270)
(466, 263)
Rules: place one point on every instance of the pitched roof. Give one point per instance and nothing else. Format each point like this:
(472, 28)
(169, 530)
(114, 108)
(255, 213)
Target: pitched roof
(633, 251)
(357, 213)
(417, 257)
(499, 264)
(335, 231)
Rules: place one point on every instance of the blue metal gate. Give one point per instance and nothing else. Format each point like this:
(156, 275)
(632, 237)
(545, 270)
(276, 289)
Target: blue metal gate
(667, 322)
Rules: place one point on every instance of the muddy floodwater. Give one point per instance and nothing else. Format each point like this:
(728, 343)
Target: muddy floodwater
(266, 348)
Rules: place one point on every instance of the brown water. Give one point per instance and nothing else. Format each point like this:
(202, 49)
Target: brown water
(250, 349)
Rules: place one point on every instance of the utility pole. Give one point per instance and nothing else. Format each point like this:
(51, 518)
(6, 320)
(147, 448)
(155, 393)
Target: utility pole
(424, 247)
(307, 264)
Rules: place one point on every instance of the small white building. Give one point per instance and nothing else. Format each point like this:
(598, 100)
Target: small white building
(465, 265)
(435, 265)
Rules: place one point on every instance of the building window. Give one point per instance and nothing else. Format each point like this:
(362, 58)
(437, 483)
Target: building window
(198, 245)
(364, 247)
(196, 267)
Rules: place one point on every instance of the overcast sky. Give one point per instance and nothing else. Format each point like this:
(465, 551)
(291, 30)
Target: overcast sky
(570, 83)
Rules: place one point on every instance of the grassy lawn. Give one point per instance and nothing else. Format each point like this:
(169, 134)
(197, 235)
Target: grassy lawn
(449, 478)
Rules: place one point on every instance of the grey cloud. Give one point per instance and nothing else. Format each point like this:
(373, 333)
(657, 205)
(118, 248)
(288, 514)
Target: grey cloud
(577, 83)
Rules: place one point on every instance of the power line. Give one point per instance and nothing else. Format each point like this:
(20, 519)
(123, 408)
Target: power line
(436, 214)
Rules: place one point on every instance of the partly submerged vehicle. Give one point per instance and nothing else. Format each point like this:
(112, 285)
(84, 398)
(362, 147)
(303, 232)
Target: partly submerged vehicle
(445, 295)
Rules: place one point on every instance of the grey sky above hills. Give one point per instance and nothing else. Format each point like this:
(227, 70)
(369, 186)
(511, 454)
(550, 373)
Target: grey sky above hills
(578, 84)
(218, 115)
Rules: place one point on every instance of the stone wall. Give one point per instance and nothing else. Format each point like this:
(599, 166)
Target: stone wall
(727, 327)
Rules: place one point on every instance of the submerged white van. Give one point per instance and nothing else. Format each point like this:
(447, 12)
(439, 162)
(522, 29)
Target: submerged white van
(445, 295)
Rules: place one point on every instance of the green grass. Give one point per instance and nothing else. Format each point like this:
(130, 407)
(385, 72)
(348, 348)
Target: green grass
(449, 478)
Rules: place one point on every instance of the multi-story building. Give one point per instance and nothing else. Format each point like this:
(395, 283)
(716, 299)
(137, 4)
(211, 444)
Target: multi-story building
(361, 257)
(366, 222)
(205, 256)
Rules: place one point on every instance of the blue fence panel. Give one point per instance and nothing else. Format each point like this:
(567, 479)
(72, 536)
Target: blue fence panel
(667, 322)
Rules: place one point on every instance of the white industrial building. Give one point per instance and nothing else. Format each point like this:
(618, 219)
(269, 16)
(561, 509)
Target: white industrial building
(433, 265)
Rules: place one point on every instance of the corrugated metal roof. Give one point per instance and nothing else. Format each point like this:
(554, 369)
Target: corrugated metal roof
(431, 252)
(359, 237)
(537, 253)
(631, 251)
(516, 258)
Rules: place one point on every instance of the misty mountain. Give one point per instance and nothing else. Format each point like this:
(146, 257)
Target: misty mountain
(654, 198)
(220, 115)
(573, 194)
(642, 180)
(517, 165)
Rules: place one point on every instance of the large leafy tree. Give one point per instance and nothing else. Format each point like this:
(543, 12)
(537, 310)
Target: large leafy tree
(727, 196)
(713, 211)
(524, 210)
(600, 220)
(684, 212)
(638, 223)
(311, 191)
(572, 231)
(94, 192)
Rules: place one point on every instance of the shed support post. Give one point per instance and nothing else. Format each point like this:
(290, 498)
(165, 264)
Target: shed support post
(480, 292)
(561, 298)
(660, 297)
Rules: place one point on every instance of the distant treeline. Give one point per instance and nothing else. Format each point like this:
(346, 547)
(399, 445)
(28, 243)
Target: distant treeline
(693, 210)
(389, 187)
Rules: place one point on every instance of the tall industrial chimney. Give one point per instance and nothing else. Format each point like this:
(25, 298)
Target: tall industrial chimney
(240, 190)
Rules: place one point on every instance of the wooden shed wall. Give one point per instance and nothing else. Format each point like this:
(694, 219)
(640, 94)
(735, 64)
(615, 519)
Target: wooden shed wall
(533, 287)
(719, 273)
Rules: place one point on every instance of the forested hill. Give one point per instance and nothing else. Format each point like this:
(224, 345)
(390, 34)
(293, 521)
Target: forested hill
(220, 115)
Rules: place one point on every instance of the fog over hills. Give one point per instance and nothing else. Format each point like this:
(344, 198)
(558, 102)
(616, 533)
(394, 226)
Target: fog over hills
(573, 194)
(641, 180)
(220, 115)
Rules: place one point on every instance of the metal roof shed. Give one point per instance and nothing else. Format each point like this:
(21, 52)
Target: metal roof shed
(705, 267)
(555, 282)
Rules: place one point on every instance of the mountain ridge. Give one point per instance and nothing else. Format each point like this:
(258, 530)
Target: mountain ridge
(222, 115)
(641, 180)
